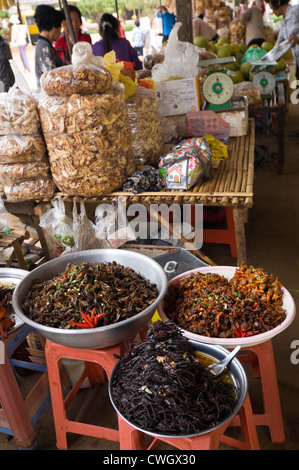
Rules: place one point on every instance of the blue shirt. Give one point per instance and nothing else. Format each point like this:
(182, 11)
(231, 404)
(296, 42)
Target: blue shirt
(168, 20)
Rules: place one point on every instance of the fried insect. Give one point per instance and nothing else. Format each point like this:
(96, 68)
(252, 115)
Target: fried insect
(111, 291)
(160, 386)
(210, 305)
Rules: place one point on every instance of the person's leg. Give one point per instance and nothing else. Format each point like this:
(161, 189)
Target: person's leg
(24, 58)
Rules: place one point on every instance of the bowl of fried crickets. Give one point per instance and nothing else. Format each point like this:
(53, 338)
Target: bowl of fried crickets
(228, 305)
(91, 299)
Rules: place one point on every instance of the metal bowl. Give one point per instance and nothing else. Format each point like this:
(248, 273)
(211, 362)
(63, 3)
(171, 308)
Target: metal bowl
(235, 370)
(228, 272)
(104, 336)
(11, 277)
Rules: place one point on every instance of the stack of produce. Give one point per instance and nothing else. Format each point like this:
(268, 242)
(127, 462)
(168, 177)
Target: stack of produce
(24, 166)
(240, 69)
(85, 123)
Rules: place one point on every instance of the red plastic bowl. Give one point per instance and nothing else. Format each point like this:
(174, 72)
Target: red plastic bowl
(228, 272)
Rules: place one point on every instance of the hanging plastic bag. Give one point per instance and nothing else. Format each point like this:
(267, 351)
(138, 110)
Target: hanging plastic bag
(84, 231)
(4, 216)
(112, 225)
(180, 59)
(59, 226)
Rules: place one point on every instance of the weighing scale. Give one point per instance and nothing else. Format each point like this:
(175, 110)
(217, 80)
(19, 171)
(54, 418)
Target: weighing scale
(263, 79)
(218, 87)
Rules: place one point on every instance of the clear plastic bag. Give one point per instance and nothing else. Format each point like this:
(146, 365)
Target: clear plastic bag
(59, 227)
(19, 172)
(18, 113)
(82, 54)
(112, 226)
(89, 141)
(252, 92)
(180, 59)
(237, 31)
(80, 78)
(200, 123)
(4, 216)
(145, 124)
(22, 149)
(30, 190)
(84, 231)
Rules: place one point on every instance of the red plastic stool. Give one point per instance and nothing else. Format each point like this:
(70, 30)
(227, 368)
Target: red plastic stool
(262, 362)
(17, 414)
(225, 236)
(130, 440)
(96, 362)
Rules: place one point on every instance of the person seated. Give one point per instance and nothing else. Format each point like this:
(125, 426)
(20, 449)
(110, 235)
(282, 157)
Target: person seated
(49, 22)
(111, 40)
(62, 44)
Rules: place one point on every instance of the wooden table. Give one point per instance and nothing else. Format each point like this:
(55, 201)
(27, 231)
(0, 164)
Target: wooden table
(276, 105)
(231, 186)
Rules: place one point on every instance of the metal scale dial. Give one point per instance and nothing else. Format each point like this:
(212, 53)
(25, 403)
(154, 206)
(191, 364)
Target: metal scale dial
(263, 79)
(218, 87)
(265, 82)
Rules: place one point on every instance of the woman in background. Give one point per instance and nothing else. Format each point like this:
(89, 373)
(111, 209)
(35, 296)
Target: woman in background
(62, 44)
(289, 29)
(49, 22)
(253, 19)
(18, 39)
(111, 40)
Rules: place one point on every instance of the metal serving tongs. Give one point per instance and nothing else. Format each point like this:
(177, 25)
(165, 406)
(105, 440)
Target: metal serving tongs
(218, 367)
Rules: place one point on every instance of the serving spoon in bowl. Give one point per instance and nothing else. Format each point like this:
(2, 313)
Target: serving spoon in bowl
(218, 367)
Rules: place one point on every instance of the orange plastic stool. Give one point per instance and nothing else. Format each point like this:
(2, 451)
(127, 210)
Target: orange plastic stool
(225, 236)
(130, 440)
(96, 362)
(262, 362)
(17, 414)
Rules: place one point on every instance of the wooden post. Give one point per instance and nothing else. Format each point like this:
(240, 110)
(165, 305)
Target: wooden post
(184, 15)
(69, 21)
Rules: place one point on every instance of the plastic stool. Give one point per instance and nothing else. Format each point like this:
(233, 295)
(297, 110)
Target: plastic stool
(96, 362)
(225, 236)
(18, 415)
(130, 440)
(262, 362)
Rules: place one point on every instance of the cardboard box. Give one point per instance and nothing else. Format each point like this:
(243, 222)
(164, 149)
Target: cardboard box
(178, 96)
(238, 121)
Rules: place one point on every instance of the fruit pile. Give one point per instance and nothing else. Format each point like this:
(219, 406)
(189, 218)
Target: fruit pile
(239, 70)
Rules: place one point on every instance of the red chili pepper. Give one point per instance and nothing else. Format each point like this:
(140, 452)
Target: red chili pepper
(89, 321)
(81, 325)
(241, 332)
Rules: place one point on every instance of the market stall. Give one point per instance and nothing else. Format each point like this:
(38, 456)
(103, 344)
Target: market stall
(184, 135)
(230, 186)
